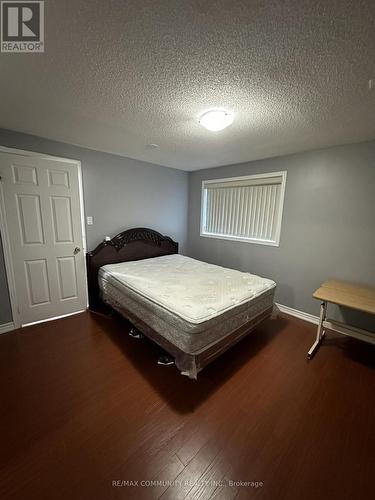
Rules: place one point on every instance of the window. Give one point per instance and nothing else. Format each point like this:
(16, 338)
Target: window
(244, 208)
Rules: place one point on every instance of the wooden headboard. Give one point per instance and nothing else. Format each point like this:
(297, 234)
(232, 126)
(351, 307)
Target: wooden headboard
(132, 244)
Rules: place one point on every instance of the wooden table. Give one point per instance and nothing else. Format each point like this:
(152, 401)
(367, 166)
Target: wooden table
(348, 295)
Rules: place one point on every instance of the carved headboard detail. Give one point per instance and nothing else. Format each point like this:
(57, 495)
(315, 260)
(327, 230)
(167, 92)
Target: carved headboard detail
(132, 244)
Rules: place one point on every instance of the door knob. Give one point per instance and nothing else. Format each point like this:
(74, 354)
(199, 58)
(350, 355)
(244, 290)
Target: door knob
(76, 250)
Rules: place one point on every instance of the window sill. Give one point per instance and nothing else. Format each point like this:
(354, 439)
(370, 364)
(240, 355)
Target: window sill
(270, 243)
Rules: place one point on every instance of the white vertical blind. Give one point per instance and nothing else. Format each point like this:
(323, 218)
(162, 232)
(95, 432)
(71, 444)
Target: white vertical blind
(244, 208)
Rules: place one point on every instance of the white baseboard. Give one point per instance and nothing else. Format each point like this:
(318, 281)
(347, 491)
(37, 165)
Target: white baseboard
(6, 327)
(332, 325)
(298, 314)
(310, 318)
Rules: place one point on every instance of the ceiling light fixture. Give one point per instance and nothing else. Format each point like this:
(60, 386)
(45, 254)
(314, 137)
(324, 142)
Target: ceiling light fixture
(216, 120)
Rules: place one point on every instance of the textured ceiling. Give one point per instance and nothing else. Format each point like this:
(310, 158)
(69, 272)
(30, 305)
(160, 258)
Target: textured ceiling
(118, 75)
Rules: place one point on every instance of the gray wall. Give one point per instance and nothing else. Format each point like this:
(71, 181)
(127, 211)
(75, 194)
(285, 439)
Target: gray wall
(118, 192)
(328, 228)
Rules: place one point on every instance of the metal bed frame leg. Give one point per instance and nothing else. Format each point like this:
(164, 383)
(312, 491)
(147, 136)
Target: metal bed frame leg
(320, 332)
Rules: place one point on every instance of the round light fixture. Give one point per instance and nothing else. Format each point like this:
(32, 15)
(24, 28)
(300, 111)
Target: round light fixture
(216, 120)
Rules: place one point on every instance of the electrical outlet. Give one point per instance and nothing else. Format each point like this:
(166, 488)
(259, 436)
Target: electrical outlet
(90, 220)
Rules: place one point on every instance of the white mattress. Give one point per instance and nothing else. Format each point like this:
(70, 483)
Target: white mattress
(191, 289)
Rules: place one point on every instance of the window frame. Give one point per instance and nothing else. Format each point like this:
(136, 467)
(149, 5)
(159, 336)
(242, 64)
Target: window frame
(273, 243)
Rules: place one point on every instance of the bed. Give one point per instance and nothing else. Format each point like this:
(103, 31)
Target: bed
(195, 311)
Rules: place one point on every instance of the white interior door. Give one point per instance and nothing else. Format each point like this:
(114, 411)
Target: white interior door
(43, 215)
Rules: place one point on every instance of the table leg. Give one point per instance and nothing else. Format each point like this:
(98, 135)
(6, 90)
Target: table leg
(320, 332)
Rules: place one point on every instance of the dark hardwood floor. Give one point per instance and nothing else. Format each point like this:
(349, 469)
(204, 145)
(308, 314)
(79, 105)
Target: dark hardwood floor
(84, 405)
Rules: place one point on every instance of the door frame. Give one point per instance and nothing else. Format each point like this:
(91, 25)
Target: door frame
(9, 268)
